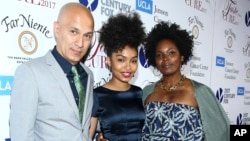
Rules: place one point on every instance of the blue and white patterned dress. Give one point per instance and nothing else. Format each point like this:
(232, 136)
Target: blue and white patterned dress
(171, 122)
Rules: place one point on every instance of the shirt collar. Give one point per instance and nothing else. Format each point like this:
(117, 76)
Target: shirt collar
(65, 65)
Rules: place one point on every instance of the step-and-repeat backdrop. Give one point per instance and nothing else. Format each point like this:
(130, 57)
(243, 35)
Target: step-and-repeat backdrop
(221, 54)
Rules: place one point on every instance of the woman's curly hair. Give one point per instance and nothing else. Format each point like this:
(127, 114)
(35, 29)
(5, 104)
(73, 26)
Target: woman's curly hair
(165, 30)
(121, 30)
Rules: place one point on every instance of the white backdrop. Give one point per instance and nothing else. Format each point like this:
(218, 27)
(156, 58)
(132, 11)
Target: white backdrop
(221, 54)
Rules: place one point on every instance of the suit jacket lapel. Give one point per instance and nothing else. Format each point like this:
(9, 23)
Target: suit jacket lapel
(62, 81)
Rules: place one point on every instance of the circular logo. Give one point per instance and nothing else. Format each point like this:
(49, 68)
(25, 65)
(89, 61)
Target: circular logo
(195, 31)
(248, 73)
(27, 42)
(90, 4)
(229, 41)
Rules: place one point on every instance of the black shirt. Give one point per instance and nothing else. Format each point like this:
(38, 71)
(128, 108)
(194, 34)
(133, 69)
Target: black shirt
(66, 66)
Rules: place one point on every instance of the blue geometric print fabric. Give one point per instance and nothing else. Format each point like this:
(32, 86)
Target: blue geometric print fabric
(171, 122)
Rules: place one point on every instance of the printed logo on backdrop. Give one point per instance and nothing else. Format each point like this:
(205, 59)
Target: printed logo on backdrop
(144, 64)
(24, 21)
(145, 6)
(197, 68)
(219, 95)
(142, 58)
(242, 119)
(224, 95)
(43, 3)
(229, 41)
(109, 8)
(230, 37)
(248, 73)
(27, 42)
(5, 85)
(230, 12)
(240, 91)
(247, 70)
(195, 31)
(220, 61)
(160, 15)
(96, 61)
(246, 48)
(247, 18)
(196, 25)
(230, 71)
(90, 4)
(199, 5)
(247, 96)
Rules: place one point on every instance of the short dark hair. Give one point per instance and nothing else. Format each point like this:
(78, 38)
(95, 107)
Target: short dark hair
(165, 30)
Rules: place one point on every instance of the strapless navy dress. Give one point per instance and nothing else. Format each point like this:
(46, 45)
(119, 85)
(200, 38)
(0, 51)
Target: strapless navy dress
(120, 113)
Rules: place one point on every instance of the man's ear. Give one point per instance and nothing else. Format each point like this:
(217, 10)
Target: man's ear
(56, 29)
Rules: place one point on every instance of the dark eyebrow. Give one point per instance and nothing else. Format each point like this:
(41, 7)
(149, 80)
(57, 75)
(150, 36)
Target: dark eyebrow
(74, 28)
(125, 56)
(88, 33)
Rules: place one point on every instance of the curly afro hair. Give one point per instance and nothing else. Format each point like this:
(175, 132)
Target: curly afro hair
(121, 30)
(165, 30)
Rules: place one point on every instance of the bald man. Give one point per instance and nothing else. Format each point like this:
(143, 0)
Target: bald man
(44, 99)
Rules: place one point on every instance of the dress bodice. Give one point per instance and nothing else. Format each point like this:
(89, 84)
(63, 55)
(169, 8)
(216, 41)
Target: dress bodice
(120, 113)
(171, 122)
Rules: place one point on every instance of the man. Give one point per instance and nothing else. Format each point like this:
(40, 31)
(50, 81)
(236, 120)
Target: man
(44, 99)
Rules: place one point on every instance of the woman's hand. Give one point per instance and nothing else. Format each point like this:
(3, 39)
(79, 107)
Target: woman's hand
(100, 137)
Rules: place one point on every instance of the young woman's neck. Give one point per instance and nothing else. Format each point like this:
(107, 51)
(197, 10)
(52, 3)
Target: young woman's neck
(117, 85)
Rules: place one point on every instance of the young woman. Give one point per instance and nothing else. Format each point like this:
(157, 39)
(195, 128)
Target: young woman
(117, 104)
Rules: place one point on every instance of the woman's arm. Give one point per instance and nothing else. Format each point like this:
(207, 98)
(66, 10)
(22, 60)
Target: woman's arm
(93, 124)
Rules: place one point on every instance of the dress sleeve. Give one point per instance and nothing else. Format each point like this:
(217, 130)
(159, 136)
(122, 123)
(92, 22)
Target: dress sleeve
(95, 105)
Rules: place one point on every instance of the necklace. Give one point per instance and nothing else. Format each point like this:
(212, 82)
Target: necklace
(172, 88)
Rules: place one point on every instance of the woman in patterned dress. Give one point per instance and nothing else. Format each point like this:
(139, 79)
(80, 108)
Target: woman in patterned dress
(178, 108)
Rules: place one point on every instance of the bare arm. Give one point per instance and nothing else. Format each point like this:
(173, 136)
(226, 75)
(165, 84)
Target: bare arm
(93, 124)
